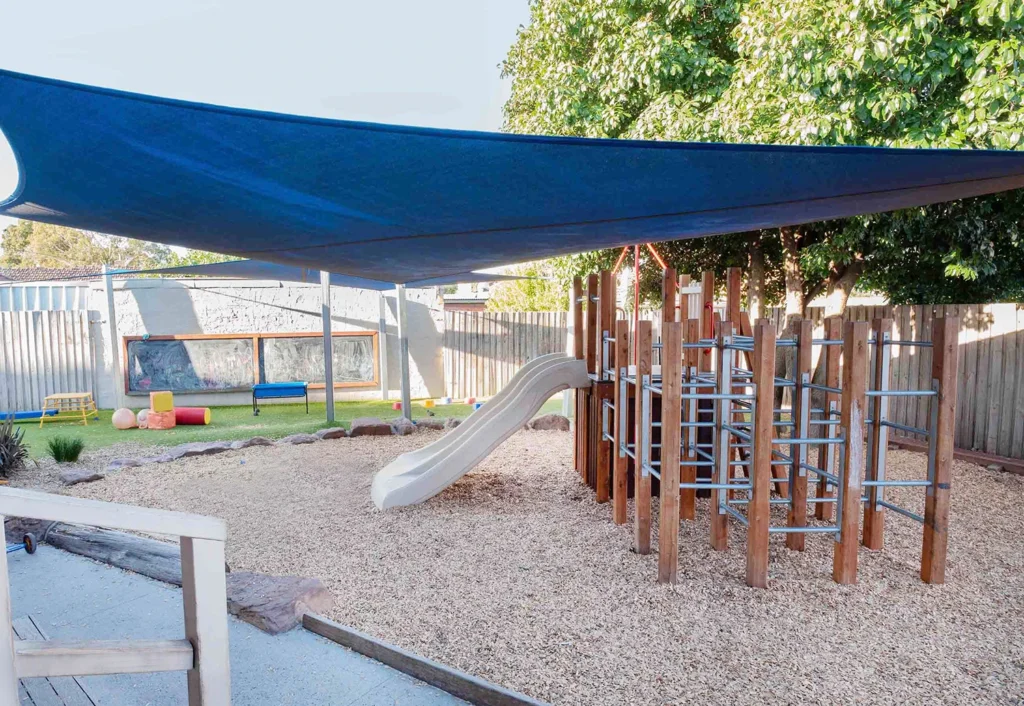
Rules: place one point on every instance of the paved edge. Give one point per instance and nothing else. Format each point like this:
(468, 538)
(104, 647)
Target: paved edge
(464, 686)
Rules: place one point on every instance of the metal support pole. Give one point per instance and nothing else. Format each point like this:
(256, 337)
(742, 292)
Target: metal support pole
(325, 317)
(114, 351)
(382, 345)
(403, 352)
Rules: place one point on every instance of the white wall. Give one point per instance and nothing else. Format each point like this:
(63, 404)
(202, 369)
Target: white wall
(165, 307)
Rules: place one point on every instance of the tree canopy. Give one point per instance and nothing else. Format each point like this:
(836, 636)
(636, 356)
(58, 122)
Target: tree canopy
(939, 73)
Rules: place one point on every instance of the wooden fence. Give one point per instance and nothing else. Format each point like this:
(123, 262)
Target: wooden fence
(42, 353)
(483, 350)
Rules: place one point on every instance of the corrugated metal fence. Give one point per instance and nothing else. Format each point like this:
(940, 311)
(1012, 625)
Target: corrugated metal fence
(43, 297)
(42, 353)
(483, 350)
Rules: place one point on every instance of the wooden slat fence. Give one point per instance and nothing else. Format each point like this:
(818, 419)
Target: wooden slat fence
(990, 373)
(483, 350)
(42, 353)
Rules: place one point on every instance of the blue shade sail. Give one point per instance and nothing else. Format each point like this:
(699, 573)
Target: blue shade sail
(402, 204)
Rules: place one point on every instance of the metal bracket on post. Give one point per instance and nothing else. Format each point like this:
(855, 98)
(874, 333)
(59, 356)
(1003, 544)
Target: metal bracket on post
(643, 444)
(620, 416)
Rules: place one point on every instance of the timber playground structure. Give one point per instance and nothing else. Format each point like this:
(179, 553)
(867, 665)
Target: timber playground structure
(716, 419)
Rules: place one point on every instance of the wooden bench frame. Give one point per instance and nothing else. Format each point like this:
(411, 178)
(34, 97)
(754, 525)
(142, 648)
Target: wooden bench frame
(204, 651)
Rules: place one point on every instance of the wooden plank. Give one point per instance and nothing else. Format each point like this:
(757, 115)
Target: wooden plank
(1004, 353)
(68, 689)
(592, 333)
(936, 509)
(719, 519)
(874, 516)
(803, 331)
(826, 452)
(669, 283)
(707, 317)
(855, 346)
(984, 371)
(459, 684)
(671, 410)
(620, 480)
(733, 295)
(607, 317)
(204, 594)
(96, 513)
(759, 507)
(1017, 443)
(65, 658)
(8, 668)
(971, 334)
(642, 482)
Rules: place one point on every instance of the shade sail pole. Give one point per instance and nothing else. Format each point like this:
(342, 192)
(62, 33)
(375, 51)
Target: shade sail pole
(325, 316)
(115, 349)
(403, 352)
(382, 345)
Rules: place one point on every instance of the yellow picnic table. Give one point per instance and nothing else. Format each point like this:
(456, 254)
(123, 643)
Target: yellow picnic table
(74, 403)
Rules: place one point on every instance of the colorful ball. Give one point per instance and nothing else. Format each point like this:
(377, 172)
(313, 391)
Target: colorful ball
(123, 418)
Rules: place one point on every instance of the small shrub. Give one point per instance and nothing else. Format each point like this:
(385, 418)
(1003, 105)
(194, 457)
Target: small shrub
(13, 449)
(65, 449)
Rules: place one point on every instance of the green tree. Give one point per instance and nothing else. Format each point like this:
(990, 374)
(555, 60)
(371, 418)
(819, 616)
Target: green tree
(30, 244)
(541, 291)
(938, 73)
(196, 257)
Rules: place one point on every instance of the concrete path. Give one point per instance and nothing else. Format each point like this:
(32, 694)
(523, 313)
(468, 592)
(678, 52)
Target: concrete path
(75, 598)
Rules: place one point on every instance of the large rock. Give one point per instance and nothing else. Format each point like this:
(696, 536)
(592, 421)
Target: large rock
(452, 422)
(370, 426)
(549, 422)
(432, 423)
(254, 441)
(403, 426)
(73, 475)
(332, 433)
(196, 448)
(299, 439)
(119, 463)
(275, 604)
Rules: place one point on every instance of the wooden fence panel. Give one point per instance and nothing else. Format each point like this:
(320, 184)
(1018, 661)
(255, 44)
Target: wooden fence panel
(42, 353)
(483, 350)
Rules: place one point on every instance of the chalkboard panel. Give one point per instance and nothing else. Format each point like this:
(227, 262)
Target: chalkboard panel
(286, 359)
(189, 365)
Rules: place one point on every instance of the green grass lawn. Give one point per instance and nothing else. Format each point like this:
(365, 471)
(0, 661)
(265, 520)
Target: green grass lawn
(229, 423)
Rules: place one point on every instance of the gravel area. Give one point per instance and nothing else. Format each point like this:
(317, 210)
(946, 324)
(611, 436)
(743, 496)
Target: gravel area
(44, 473)
(516, 575)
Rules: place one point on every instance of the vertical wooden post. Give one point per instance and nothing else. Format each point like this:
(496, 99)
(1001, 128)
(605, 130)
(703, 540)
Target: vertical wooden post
(605, 355)
(688, 474)
(827, 452)
(684, 299)
(723, 415)
(801, 413)
(642, 483)
(855, 350)
(707, 317)
(607, 317)
(593, 334)
(759, 507)
(668, 297)
(733, 295)
(945, 351)
(671, 389)
(8, 669)
(620, 481)
(204, 594)
(577, 317)
(874, 516)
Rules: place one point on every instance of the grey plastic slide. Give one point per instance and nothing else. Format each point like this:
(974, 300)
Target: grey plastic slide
(419, 475)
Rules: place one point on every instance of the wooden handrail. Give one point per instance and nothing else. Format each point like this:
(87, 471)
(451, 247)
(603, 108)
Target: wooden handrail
(15, 502)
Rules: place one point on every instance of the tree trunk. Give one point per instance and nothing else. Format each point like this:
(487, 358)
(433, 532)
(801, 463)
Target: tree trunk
(840, 286)
(794, 276)
(755, 283)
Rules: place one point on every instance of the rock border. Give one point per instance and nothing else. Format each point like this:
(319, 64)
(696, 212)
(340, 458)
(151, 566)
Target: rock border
(363, 426)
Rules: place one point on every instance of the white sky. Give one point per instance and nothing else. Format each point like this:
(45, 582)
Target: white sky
(413, 62)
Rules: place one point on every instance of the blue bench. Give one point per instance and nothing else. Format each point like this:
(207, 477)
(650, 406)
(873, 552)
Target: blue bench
(278, 390)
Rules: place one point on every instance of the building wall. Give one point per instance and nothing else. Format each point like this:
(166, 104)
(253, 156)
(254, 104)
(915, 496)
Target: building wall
(165, 307)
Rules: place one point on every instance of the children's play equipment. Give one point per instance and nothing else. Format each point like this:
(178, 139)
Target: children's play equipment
(123, 419)
(697, 414)
(192, 416)
(28, 543)
(67, 406)
(418, 475)
(278, 390)
(30, 414)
